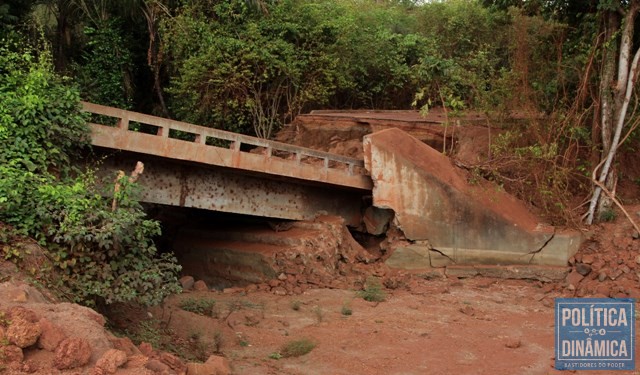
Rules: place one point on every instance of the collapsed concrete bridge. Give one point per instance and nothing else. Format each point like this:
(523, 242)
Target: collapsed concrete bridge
(445, 219)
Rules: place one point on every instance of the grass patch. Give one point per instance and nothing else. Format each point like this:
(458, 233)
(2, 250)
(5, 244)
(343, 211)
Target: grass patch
(275, 355)
(148, 331)
(198, 306)
(154, 331)
(372, 291)
(319, 313)
(297, 348)
(608, 215)
(295, 305)
(218, 339)
(346, 310)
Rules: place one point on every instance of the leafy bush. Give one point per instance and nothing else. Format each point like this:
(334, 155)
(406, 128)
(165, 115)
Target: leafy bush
(198, 306)
(297, 348)
(107, 255)
(104, 73)
(372, 291)
(102, 254)
(41, 129)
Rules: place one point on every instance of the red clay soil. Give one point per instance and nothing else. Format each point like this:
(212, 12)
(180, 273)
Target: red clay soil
(448, 326)
(433, 325)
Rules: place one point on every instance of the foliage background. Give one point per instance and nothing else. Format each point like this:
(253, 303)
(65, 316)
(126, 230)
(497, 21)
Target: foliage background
(252, 66)
(98, 255)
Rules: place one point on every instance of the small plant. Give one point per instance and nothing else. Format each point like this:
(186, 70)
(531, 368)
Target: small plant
(346, 309)
(317, 311)
(275, 355)
(372, 291)
(12, 254)
(198, 306)
(295, 305)
(148, 331)
(202, 350)
(297, 348)
(4, 321)
(608, 215)
(218, 339)
(244, 343)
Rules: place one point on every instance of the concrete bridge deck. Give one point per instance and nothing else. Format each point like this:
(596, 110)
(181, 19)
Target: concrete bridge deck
(186, 166)
(183, 141)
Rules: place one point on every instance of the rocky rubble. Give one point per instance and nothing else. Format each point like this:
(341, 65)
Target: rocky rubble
(62, 338)
(332, 259)
(607, 265)
(316, 253)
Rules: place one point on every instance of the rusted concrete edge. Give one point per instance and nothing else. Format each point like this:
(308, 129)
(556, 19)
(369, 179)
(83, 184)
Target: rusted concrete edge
(115, 138)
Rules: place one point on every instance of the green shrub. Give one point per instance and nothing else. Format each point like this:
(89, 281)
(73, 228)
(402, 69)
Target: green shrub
(41, 129)
(198, 306)
(608, 215)
(106, 255)
(295, 305)
(319, 313)
(102, 253)
(148, 331)
(275, 355)
(346, 310)
(372, 291)
(297, 348)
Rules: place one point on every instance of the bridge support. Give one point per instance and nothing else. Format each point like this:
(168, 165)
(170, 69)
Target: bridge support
(171, 182)
(452, 221)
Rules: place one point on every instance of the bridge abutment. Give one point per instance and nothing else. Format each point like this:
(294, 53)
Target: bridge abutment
(449, 220)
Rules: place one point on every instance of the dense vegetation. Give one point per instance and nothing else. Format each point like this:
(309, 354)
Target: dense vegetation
(100, 249)
(253, 65)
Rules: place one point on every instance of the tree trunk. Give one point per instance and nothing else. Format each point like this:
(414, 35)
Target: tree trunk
(614, 104)
(609, 98)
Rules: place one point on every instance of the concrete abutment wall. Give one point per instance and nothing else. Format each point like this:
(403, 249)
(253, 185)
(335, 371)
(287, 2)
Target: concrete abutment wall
(449, 220)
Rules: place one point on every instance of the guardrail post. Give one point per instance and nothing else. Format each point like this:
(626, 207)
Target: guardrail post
(202, 134)
(123, 123)
(163, 132)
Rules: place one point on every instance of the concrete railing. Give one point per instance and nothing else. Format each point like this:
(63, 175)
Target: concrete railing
(168, 138)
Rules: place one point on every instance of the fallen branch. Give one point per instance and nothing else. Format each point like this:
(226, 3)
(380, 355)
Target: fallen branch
(137, 171)
(617, 202)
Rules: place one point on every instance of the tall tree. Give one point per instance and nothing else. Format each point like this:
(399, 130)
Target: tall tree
(617, 80)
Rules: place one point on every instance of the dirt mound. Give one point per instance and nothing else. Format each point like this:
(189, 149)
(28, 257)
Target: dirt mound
(318, 253)
(45, 337)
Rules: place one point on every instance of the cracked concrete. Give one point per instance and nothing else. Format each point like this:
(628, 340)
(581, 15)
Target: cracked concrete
(534, 252)
(464, 223)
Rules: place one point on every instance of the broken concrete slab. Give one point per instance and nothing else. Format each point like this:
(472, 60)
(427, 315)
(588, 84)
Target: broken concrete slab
(469, 223)
(410, 257)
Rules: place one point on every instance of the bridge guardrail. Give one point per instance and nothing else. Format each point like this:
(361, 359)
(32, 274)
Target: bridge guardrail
(201, 134)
